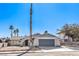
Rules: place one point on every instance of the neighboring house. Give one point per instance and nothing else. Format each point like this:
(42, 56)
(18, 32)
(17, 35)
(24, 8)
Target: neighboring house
(45, 39)
(15, 41)
(65, 38)
(3, 42)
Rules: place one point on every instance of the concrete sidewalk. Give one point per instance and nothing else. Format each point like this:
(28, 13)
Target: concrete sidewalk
(13, 48)
(40, 49)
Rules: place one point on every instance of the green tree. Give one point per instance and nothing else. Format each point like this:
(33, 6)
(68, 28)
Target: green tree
(11, 28)
(65, 30)
(70, 30)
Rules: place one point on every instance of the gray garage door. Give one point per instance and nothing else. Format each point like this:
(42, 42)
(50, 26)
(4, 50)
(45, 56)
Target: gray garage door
(46, 42)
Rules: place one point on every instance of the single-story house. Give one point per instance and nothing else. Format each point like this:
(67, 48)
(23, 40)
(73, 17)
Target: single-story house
(45, 39)
(15, 41)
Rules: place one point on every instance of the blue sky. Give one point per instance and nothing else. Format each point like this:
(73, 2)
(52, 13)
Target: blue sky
(46, 16)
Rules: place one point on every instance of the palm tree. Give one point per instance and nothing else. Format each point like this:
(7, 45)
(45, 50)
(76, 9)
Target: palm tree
(16, 31)
(11, 28)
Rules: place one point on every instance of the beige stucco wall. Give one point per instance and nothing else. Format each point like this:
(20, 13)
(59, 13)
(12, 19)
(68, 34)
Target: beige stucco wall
(15, 38)
(36, 42)
(14, 42)
(5, 44)
(1, 44)
(57, 42)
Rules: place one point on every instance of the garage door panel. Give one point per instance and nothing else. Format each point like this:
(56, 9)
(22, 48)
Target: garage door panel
(47, 42)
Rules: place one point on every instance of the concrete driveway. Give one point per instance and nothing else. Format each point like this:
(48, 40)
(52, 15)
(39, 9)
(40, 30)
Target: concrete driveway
(54, 53)
(53, 49)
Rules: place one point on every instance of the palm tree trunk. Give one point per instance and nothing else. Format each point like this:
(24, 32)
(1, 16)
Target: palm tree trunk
(11, 34)
(17, 34)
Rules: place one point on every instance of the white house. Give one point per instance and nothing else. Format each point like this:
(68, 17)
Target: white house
(45, 39)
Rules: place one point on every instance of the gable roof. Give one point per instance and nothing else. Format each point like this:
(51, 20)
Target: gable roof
(45, 34)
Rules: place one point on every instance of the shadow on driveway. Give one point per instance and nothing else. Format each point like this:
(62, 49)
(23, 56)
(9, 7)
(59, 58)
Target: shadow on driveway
(24, 52)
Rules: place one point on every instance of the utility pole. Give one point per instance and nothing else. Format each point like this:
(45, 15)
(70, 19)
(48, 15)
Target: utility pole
(31, 24)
